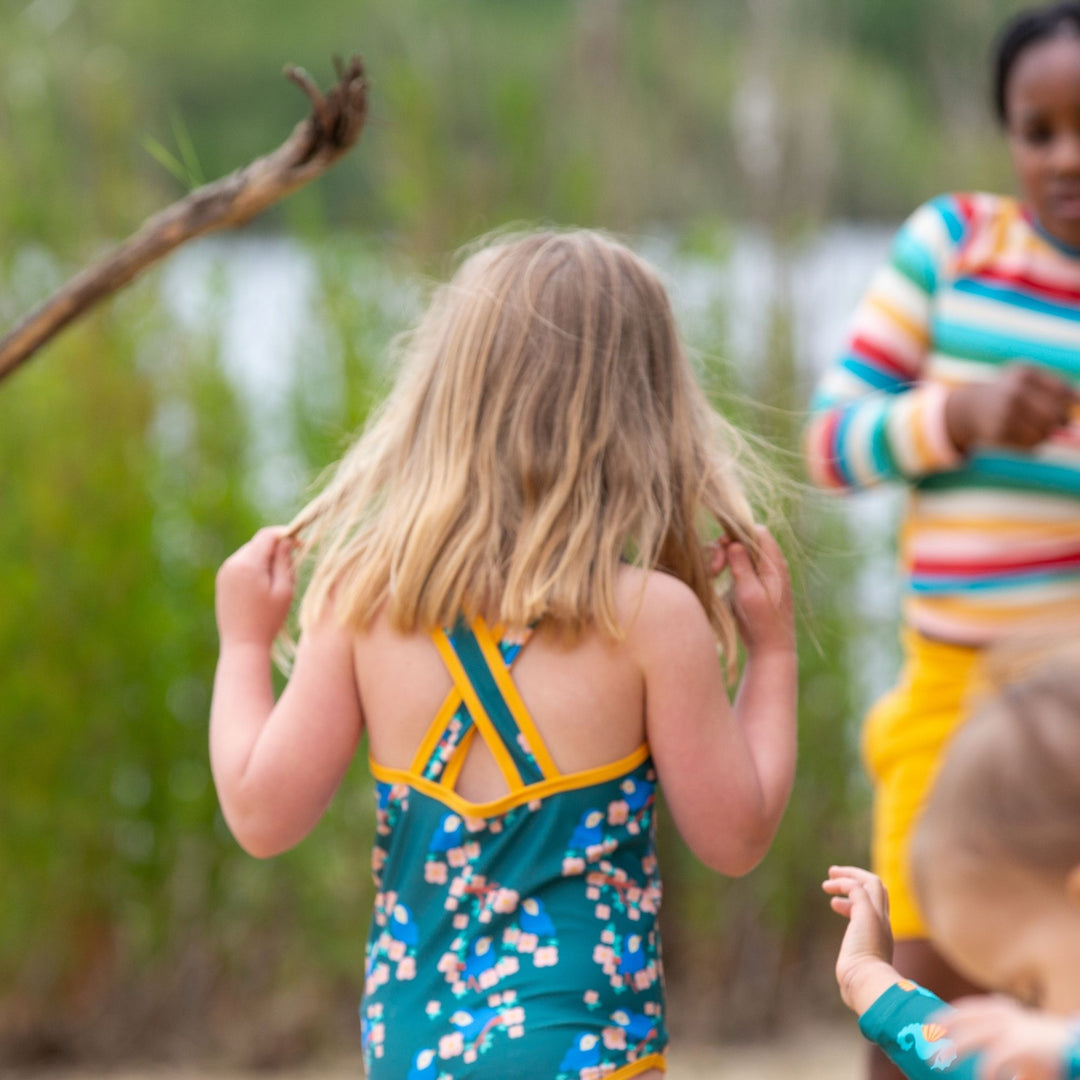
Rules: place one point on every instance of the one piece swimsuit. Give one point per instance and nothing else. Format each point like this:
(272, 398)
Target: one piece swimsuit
(515, 939)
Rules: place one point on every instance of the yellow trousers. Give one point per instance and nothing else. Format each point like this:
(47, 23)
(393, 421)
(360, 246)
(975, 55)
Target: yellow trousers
(903, 741)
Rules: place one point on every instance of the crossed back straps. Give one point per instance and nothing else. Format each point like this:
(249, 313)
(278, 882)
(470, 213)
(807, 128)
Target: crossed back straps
(483, 700)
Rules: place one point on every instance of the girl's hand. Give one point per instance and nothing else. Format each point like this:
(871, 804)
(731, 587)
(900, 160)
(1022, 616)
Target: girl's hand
(1021, 408)
(1012, 1040)
(761, 594)
(864, 968)
(255, 590)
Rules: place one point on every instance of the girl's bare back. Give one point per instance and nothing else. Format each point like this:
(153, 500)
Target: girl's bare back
(587, 698)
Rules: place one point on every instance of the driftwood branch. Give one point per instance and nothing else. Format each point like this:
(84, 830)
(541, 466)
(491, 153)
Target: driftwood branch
(315, 144)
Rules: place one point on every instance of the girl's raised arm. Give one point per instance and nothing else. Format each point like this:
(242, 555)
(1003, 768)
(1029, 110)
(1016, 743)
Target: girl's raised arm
(726, 771)
(277, 766)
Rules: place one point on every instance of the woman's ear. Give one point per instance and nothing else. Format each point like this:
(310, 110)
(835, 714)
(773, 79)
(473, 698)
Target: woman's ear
(1072, 885)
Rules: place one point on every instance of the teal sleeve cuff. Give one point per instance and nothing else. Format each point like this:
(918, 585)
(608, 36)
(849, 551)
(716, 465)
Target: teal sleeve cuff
(899, 1023)
(1072, 1062)
(903, 1003)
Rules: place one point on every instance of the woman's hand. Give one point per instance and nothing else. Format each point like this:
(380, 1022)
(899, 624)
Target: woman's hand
(1010, 1039)
(1021, 408)
(864, 968)
(761, 593)
(255, 589)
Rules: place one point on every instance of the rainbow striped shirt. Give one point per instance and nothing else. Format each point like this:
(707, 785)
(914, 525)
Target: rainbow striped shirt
(991, 541)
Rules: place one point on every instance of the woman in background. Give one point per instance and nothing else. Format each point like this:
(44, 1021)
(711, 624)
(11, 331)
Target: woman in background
(958, 379)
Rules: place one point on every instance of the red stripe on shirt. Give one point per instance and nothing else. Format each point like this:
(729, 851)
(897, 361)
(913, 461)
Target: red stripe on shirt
(827, 451)
(863, 346)
(993, 566)
(1033, 285)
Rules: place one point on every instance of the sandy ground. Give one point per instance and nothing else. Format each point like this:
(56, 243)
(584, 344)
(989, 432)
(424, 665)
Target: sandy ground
(835, 1052)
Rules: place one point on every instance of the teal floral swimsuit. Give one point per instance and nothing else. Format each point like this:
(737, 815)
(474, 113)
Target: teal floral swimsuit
(517, 938)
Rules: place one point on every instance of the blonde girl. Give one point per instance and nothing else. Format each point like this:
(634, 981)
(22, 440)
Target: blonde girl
(538, 491)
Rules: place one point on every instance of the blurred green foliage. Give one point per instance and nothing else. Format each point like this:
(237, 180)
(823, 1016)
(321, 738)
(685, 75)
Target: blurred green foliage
(129, 920)
(620, 112)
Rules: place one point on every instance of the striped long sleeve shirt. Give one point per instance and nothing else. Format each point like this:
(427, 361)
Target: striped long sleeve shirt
(991, 541)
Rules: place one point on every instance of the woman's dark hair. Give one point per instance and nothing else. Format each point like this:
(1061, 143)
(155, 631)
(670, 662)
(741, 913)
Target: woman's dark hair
(1029, 28)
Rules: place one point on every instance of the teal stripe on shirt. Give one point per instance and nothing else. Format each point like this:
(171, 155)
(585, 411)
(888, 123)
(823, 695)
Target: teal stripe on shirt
(874, 377)
(1000, 581)
(880, 450)
(946, 207)
(912, 259)
(988, 346)
(1017, 296)
(988, 470)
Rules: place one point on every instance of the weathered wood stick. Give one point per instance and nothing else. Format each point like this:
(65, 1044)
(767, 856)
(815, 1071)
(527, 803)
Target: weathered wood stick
(315, 144)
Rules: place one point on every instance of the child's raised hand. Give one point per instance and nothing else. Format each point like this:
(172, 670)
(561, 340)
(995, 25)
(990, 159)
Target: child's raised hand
(761, 594)
(864, 968)
(255, 589)
(1012, 1041)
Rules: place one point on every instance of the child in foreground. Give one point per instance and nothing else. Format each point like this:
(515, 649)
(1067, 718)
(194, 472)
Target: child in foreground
(538, 491)
(996, 863)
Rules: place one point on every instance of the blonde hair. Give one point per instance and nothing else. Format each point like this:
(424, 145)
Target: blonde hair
(546, 426)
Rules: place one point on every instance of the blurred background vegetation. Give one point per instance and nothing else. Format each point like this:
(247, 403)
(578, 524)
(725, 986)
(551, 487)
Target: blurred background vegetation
(758, 150)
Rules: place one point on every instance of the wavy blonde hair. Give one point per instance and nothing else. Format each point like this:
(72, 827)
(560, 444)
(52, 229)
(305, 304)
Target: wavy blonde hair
(546, 426)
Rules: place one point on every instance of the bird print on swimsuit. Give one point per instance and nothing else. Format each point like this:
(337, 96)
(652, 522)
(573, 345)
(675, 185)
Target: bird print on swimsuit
(519, 934)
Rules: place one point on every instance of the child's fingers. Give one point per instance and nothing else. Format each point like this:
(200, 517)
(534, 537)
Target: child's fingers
(770, 550)
(751, 594)
(841, 905)
(253, 557)
(875, 890)
(282, 568)
(259, 550)
(851, 871)
(762, 586)
(844, 894)
(869, 924)
(848, 874)
(852, 880)
(856, 873)
(773, 566)
(839, 886)
(738, 558)
(717, 554)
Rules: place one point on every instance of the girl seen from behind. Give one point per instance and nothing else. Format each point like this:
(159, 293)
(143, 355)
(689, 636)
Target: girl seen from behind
(538, 494)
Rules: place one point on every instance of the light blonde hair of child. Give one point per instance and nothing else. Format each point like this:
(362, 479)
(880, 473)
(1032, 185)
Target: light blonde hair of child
(546, 425)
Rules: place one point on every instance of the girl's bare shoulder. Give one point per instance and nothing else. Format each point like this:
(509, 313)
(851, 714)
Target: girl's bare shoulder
(653, 605)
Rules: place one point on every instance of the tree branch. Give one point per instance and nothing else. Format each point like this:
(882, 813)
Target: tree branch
(315, 144)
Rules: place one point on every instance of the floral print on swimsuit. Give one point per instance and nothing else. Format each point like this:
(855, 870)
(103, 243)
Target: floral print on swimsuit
(518, 938)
